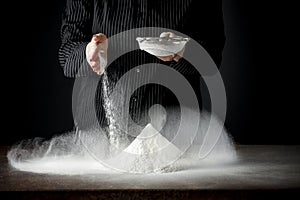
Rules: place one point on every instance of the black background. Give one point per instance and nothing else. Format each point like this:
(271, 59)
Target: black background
(259, 68)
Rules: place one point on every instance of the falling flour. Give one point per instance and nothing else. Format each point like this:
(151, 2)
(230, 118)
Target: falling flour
(117, 137)
(150, 151)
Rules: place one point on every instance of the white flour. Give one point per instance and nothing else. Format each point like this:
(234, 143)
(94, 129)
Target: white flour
(162, 46)
(151, 151)
(117, 137)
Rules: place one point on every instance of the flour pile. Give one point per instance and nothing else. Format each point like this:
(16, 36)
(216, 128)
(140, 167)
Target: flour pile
(149, 152)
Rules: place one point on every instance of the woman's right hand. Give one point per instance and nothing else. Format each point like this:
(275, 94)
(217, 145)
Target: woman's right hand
(96, 53)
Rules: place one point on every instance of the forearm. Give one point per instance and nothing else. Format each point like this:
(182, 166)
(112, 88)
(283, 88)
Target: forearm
(73, 61)
(75, 34)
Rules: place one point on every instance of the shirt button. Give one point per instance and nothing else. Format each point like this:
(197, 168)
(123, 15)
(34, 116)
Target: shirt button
(138, 70)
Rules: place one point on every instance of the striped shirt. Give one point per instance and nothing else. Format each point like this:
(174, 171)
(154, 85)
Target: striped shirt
(200, 19)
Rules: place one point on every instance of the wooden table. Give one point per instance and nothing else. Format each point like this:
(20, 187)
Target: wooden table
(262, 172)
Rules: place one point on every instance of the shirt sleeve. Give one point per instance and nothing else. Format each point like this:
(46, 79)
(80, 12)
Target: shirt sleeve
(76, 32)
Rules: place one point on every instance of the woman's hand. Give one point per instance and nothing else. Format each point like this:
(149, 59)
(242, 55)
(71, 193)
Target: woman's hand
(96, 53)
(175, 57)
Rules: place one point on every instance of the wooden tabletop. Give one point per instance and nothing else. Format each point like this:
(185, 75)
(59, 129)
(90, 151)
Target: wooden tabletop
(262, 171)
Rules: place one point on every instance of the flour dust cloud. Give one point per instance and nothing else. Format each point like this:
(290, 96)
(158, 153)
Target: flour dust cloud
(111, 150)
